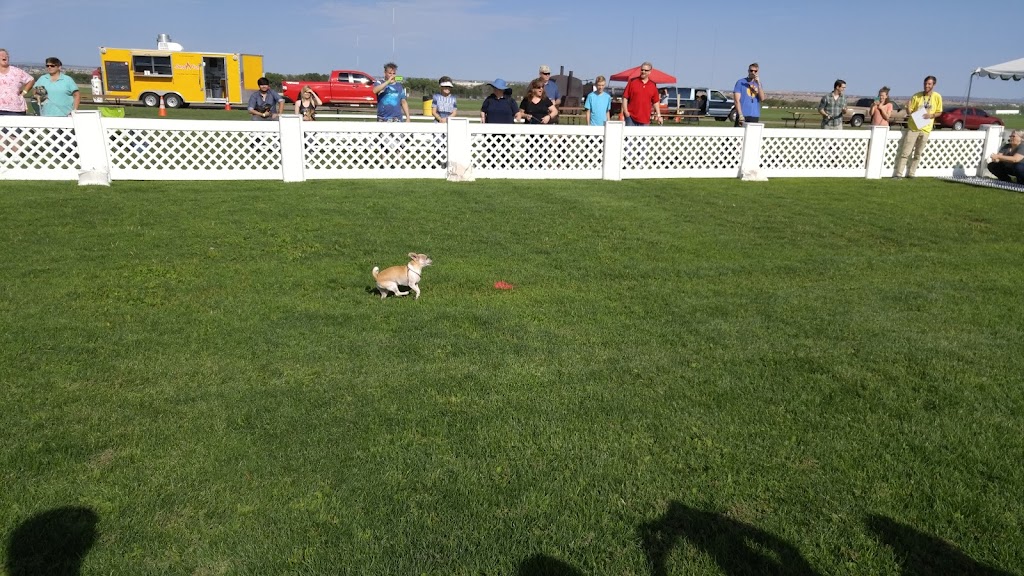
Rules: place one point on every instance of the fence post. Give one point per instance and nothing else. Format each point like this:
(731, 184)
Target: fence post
(876, 152)
(460, 147)
(993, 139)
(750, 158)
(293, 149)
(611, 167)
(92, 148)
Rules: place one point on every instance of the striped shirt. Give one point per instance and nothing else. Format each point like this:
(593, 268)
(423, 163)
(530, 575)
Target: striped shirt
(444, 105)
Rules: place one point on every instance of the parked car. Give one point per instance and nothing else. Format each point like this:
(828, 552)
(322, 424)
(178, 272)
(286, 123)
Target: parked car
(718, 105)
(860, 112)
(969, 118)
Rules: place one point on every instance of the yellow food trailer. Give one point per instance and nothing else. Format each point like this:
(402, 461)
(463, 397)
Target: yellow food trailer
(181, 77)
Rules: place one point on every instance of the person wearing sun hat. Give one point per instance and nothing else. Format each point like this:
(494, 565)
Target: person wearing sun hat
(444, 105)
(498, 108)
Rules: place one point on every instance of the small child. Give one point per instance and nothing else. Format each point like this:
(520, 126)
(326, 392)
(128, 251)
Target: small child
(444, 104)
(598, 104)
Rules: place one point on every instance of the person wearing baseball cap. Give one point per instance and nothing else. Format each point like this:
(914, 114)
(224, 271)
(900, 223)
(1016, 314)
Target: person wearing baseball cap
(498, 108)
(444, 105)
(550, 88)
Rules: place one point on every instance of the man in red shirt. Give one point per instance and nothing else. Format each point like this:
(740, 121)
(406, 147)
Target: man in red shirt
(640, 95)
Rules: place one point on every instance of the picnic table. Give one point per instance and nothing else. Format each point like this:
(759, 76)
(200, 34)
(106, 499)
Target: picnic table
(797, 118)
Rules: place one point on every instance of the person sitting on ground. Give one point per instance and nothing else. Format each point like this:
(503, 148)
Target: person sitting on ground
(1009, 161)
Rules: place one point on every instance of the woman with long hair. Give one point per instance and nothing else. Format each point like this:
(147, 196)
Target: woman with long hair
(537, 108)
(307, 103)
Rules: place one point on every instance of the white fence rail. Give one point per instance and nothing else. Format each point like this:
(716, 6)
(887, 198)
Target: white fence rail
(92, 149)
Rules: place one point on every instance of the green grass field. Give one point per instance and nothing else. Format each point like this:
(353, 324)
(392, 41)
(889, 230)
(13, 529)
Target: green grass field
(689, 377)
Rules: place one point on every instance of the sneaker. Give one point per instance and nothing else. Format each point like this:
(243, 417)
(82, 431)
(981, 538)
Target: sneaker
(897, 177)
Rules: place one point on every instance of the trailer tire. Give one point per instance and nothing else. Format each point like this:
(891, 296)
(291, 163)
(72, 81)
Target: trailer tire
(173, 101)
(150, 100)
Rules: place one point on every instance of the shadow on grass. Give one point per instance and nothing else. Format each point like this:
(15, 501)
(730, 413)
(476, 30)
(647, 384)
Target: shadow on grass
(542, 565)
(923, 554)
(52, 543)
(736, 547)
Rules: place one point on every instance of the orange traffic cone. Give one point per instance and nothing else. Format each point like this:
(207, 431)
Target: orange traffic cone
(227, 106)
(163, 111)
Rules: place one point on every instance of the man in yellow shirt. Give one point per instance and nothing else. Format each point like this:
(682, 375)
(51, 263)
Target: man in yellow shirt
(929, 102)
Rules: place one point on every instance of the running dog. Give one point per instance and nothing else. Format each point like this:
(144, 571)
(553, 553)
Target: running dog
(389, 279)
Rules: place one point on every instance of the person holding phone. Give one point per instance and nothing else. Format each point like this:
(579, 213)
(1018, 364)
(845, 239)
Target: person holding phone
(881, 108)
(392, 105)
(747, 95)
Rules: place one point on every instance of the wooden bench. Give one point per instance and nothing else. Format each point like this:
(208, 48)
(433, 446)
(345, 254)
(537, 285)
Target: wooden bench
(797, 118)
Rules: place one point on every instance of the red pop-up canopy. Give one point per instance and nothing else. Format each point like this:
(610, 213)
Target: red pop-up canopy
(657, 76)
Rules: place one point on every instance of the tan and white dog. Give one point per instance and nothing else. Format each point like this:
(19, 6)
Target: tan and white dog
(389, 279)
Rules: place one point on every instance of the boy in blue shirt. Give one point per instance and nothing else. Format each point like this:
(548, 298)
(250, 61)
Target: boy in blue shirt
(598, 104)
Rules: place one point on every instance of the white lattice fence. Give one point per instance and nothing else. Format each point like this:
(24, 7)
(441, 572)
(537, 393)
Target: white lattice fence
(363, 149)
(36, 148)
(514, 151)
(192, 150)
(93, 149)
(681, 152)
(796, 152)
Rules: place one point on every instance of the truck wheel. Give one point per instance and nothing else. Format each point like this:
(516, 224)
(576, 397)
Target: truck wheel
(958, 125)
(173, 101)
(732, 116)
(857, 121)
(149, 99)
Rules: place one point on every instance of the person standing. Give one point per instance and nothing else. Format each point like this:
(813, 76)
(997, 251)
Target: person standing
(444, 105)
(498, 108)
(57, 93)
(881, 108)
(833, 106)
(639, 97)
(536, 107)
(392, 105)
(15, 84)
(307, 103)
(598, 104)
(1009, 161)
(915, 137)
(551, 89)
(747, 96)
(265, 104)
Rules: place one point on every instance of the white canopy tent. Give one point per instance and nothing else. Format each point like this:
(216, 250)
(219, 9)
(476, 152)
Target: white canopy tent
(1012, 70)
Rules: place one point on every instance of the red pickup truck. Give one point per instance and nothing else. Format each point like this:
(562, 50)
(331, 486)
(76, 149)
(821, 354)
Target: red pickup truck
(343, 88)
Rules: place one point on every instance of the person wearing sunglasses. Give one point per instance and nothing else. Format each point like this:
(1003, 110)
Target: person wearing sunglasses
(550, 88)
(61, 92)
(640, 97)
(748, 94)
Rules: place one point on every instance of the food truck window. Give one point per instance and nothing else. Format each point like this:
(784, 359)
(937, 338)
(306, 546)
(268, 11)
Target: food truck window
(152, 65)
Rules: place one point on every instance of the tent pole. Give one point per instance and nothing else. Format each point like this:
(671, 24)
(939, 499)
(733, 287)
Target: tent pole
(969, 90)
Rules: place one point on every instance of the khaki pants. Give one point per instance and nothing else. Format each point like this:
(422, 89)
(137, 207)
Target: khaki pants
(912, 147)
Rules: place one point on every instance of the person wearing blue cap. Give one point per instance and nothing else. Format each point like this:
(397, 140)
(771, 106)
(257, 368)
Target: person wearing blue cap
(498, 108)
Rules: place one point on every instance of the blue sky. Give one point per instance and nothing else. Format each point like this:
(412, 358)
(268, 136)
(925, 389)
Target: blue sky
(801, 46)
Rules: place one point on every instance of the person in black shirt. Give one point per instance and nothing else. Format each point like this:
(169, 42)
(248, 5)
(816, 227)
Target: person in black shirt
(536, 107)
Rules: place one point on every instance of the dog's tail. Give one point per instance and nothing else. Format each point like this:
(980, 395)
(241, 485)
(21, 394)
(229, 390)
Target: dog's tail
(376, 270)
